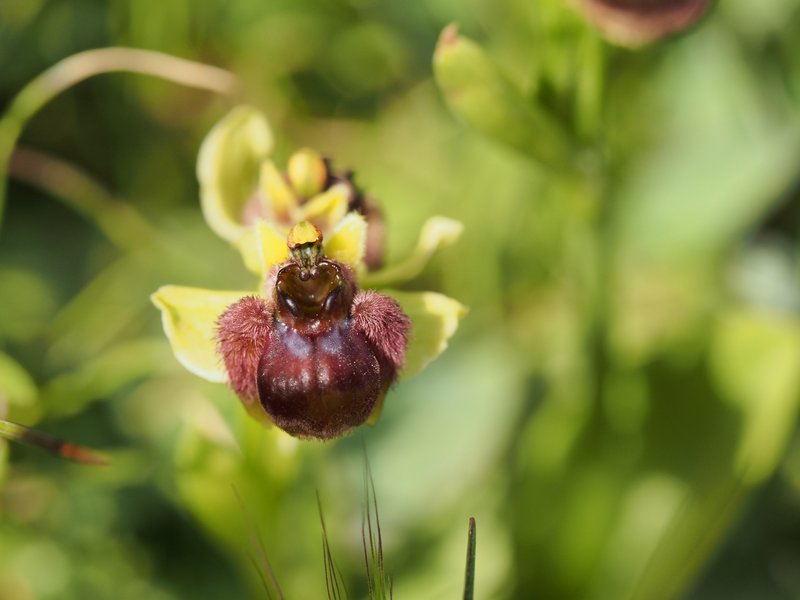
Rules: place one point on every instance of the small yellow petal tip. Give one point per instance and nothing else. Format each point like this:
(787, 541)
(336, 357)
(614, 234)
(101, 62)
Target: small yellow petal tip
(303, 233)
(307, 172)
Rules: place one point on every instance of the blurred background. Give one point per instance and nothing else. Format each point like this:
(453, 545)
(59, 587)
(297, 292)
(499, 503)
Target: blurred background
(618, 410)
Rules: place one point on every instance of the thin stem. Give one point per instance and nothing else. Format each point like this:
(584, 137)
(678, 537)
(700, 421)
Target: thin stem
(68, 450)
(79, 67)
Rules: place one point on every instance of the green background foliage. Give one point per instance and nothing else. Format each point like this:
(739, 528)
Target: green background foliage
(618, 410)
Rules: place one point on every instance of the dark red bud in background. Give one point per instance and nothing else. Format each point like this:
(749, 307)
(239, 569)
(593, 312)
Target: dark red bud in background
(638, 22)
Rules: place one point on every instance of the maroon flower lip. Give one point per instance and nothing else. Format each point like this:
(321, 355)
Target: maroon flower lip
(318, 355)
(637, 22)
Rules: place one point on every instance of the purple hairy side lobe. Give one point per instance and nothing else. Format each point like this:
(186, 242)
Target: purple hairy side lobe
(319, 355)
(242, 334)
(383, 323)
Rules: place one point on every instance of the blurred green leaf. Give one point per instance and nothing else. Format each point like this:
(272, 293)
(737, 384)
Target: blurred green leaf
(28, 304)
(722, 159)
(479, 93)
(101, 377)
(754, 361)
(754, 358)
(16, 385)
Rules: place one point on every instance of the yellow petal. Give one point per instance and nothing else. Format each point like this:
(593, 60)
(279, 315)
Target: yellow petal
(434, 319)
(326, 209)
(228, 168)
(262, 246)
(437, 232)
(276, 196)
(348, 241)
(189, 316)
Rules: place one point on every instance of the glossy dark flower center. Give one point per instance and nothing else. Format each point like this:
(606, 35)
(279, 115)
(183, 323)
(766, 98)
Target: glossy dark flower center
(321, 294)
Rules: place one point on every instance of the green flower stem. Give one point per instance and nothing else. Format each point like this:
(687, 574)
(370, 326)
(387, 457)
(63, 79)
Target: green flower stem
(601, 249)
(81, 66)
(590, 85)
(594, 220)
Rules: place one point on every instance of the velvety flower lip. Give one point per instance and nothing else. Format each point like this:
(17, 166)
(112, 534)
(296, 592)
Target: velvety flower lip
(638, 22)
(307, 240)
(318, 355)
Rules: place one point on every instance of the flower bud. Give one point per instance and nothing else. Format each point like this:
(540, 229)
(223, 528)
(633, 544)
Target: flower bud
(307, 172)
(638, 22)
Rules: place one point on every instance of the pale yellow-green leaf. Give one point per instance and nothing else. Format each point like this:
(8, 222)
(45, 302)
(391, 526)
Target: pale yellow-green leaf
(434, 319)
(755, 357)
(228, 168)
(262, 246)
(277, 197)
(189, 316)
(326, 209)
(437, 232)
(348, 241)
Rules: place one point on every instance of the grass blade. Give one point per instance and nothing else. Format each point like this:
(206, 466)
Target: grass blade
(469, 578)
(334, 583)
(264, 567)
(379, 585)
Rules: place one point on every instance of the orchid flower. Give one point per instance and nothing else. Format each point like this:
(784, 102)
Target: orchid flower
(313, 348)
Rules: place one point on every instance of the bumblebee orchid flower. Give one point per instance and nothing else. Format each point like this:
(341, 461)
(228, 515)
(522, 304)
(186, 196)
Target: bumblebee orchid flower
(314, 348)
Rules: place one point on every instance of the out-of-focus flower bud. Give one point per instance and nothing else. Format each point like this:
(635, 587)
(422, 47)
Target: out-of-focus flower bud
(638, 22)
(307, 172)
